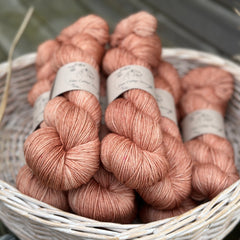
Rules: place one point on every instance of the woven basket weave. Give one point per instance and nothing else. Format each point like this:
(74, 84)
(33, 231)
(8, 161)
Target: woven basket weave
(32, 219)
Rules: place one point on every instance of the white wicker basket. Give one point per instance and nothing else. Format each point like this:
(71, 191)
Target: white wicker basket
(32, 219)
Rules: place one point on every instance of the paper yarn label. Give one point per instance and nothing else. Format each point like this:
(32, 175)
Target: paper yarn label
(76, 76)
(201, 122)
(129, 77)
(166, 104)
(38, 109)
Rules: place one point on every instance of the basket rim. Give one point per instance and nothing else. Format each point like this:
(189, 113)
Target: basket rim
(29, 207)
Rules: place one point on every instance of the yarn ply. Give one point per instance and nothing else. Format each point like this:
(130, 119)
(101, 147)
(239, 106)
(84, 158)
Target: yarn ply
(104, 198)
(213, 156)
(28, 184)
(133, 152)
(45, 73)
(64, 154)
(144, 150)
(175, 187)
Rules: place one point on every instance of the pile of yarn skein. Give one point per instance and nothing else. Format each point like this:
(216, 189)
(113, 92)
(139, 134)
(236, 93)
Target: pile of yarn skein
(113, 161)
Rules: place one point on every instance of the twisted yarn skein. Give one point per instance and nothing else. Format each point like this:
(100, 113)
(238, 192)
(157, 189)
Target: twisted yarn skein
(45, 73)
(28, 184)
(64, 154)
(175, 187)
(89, 25)
(104, 198)
(133, 152)
(213, 157)
(143, 145)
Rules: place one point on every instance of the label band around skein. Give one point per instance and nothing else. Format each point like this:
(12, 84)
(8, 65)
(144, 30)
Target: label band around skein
(76, 76)
(166, 104)
(38, 109)
(127, 78)
(201, 122)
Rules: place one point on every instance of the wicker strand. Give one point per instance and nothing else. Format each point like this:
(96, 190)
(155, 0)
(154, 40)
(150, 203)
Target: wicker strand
(10, 56)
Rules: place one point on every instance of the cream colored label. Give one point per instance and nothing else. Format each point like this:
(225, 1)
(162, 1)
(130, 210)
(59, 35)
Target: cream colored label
(103, 103)
(201, 122)
(166, 104)
(129, 77)
(38, 109)
(76, 76)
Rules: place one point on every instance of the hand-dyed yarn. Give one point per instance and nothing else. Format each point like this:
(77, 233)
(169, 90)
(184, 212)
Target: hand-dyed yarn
(64, 154)
(45, 73)
(134, 151)
(169, 192)
(144, 150)
(104, 198)
(28, 184)
(89, 25)
(213, 156)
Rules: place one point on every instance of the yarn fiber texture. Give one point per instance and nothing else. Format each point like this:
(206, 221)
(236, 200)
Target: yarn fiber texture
(144, 150)
(213, 157)
(104, 198)
(133, 151)
(44, 72)
(28, 184)
(64, 152)
(175, 187)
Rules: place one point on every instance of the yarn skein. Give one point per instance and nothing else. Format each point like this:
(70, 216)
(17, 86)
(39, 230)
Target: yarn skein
(64, 154)
(213, 157)
(91, 24)
(104, 198)
(45, 73)
(134, 151)
(28, 184)
(88, 25)
(175, 187)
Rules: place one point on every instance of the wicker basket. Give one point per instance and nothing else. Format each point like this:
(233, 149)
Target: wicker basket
(32, 219)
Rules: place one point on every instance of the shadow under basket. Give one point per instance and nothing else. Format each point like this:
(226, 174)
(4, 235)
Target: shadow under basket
(32, 219)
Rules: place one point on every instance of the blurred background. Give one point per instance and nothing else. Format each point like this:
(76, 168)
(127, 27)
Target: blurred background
(207, 25)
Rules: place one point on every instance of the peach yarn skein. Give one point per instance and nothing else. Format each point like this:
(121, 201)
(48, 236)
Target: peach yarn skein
(45, 73)
(45, 77)
(175, 187)
(104, 198)
(65, 153)
(28, 184)
(90, 25)
(134, 151)
(213, 157)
